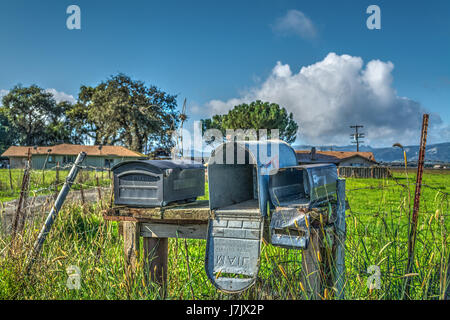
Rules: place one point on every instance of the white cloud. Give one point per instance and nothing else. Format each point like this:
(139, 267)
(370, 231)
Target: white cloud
(328, 96)
(295, 22)
(58, 95)
(61, 96)
(3, 92)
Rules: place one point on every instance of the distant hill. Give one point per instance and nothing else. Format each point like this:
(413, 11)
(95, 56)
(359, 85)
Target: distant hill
(434, 153)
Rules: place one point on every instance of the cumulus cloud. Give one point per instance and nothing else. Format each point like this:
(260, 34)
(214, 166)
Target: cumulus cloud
(295, 22)
(328, 96)
(61, 96)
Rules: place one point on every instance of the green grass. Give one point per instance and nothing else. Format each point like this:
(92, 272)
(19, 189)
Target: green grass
(377, 231)
(44, 183)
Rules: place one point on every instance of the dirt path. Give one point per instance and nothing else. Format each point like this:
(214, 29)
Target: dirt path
(39, 206)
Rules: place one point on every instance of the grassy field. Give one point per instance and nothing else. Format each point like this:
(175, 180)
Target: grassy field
(377, 230)
(44, 182)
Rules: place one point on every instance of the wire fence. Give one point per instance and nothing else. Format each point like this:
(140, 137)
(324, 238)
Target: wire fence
(376, 246)
(36, 197)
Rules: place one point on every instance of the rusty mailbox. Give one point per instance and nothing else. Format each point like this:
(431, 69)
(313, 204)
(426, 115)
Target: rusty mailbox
(154, 183)
(238, 177)
(294, 191)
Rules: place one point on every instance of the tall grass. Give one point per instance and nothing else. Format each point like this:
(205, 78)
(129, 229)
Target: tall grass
(377, 231)
(378, 225)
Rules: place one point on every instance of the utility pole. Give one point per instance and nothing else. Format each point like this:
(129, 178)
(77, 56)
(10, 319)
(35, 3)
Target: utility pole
(357, 135)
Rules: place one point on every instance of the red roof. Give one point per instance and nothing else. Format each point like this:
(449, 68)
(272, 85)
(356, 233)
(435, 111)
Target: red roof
(332, 156)
(71, 149)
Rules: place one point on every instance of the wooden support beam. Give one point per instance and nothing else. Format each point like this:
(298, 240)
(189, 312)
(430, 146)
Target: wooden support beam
(311, 274)
(198, 211)
(163, 230)
(339, 243)
(156, 253)
(120, 228)
(131, 243)
(322, 263)
(447, 282)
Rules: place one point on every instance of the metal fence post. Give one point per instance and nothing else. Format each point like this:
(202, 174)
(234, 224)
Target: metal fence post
(55, 210)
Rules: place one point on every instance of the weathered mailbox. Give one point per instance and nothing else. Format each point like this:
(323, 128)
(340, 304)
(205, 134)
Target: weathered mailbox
(294, 191)
(154, 183)
(238, 177)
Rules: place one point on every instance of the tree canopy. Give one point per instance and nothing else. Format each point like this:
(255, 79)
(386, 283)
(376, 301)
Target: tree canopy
(31, 116)
(7, 132)
(256, 115)
(127, 112)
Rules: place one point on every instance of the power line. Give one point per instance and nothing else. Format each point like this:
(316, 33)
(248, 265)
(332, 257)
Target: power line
(357, 136)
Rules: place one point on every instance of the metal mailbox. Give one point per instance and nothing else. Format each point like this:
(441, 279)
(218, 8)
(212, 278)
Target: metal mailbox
(238, 177)
(293, 192)
(154, 183)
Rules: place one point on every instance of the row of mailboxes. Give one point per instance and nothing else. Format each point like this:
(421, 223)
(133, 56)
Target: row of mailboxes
(247, 180)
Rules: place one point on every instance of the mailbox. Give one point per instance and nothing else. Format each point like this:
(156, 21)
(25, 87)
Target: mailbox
(306, 184)
(154, 183)
(294, 191)
(238, 177)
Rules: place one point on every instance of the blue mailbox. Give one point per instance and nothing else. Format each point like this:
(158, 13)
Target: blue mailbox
(238, 176)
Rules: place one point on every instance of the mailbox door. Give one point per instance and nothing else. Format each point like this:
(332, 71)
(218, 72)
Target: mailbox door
(322, 179)
(138, 188)
(288, 189)
(184, 184)
(233, 249)
(293, 192)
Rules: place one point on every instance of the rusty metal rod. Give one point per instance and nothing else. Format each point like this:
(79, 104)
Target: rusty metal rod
(415, 215)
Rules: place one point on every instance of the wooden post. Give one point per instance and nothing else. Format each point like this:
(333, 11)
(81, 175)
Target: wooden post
(19, 217)
(131, 243)
(323, 263)
(311, 278)
(339, 243)
(98, 190)
(83, 200)
(120, 228)
(10, 178)
(447, 282)
(56, 179)
(156, 257)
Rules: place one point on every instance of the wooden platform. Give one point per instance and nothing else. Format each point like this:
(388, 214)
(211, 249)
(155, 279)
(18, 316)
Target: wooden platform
(188, 213)
(248, 206)
(190, 221)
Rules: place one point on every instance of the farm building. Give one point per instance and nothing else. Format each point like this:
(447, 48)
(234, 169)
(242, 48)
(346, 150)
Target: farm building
(64, 154)
(340, 158)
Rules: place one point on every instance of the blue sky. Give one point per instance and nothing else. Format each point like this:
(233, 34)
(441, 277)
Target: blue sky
(211, 51)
